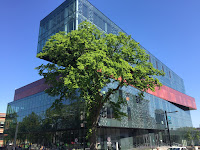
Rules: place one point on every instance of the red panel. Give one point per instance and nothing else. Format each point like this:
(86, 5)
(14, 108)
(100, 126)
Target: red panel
(164, 92)
(174, 96)
(30, 89)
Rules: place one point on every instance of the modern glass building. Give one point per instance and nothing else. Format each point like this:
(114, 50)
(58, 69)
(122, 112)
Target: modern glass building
(145, 124)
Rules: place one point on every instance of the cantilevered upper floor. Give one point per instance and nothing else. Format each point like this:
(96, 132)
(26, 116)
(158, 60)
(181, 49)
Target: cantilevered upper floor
(70, 13)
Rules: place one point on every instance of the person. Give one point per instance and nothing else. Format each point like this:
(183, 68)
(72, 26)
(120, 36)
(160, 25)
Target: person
(109, 145)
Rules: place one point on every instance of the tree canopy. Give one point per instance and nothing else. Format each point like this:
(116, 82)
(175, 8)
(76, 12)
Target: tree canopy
(84, 61)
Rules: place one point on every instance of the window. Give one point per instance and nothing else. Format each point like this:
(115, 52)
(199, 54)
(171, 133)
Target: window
(163, 69)
(120, 93)
(160, 118)
(71, 9)
(150, 59)
(129, 113)
(101, 23)
(112, 112)
(156, 65)
(85, 11)
(108, 28)
(169, 74)
(95, 18)
(109, 112)
(71, 25)
(98, 21)
(58, 18)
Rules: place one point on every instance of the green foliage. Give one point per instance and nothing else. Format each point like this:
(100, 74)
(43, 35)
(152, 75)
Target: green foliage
(85, 60)
(10, 126)
(117, 106)
(30, 128)
(30, 124)
(63, 117)
(192, 134)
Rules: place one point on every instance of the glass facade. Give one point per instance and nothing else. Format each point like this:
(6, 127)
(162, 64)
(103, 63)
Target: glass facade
(145, 123)
(72, 12)
(147, 113)
(86, 11)
(145, 119)
(61, 19)
(37, 103)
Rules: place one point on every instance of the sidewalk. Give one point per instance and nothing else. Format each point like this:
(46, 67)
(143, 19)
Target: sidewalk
(158, 148)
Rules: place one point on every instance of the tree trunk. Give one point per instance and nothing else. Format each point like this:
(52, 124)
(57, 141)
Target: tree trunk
(93, 136)
(93, 139)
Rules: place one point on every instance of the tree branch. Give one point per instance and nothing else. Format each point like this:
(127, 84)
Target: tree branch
(107, 96)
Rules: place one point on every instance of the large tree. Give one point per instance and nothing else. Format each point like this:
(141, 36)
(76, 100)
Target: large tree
(86, 60)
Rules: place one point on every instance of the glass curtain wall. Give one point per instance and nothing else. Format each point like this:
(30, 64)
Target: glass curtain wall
(62, 18)
(72, 12)
(144, 117)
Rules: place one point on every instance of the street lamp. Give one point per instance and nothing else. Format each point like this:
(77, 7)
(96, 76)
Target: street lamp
(168, 125)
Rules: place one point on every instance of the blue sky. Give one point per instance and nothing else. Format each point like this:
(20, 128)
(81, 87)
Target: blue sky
(169, 29)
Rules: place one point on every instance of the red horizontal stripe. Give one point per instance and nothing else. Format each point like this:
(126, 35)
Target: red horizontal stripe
(174, 96)
(164, 92)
